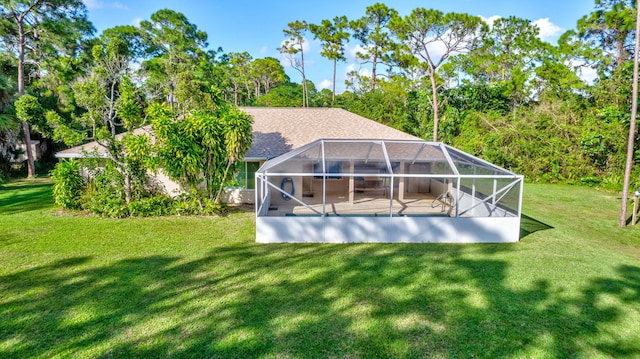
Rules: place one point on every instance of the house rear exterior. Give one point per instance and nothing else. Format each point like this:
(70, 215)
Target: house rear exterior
(276, 131)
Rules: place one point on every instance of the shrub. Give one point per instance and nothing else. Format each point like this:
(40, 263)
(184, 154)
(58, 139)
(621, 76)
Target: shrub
(103, 203)
(595, 147)
(193, 204)
(156, 205)
(590, 181)
(69, 184)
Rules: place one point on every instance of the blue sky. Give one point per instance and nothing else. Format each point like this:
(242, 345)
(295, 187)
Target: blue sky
(256, 26)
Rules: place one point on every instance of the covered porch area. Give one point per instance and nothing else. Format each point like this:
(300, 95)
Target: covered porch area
(386, 187)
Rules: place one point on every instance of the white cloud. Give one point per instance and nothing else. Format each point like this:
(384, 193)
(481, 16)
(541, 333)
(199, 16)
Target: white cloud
(491, 19)
(93, 4)
(585, 72)
(437, 50)
(362, 71)
(588, 74)
(97, 4)
(136, 21)
(263, 50)
(548, 30)
(324, 84)
(119, 5)
(353, 51)
(349, 68)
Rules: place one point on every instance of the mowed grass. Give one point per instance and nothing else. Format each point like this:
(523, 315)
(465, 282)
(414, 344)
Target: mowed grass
(86, 287)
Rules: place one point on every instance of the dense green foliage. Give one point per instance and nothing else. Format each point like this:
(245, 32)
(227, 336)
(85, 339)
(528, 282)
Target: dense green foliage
(202, 147)
(198, 138)
(68, 184)
(499, 91)
(87, 287)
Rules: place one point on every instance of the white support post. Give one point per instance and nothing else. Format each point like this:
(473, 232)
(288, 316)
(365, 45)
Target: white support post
(456, 199)
(495, 188)
(401, 183)
(352, 187)
(324, 182)
(391, 197)
(473, 186)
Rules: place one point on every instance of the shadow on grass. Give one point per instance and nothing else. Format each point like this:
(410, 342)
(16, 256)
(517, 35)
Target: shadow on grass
(25, 196)
(529, 225)
(305, 301)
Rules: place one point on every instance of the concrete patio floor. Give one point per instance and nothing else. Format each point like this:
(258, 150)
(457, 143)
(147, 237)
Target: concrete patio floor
(365, 204)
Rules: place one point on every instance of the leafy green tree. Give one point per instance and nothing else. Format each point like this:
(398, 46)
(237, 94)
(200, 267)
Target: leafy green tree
(28, 109)
(175, 48)
(37, 29)
(112, 104)
(372, 30)
(287, 95)
(478, 96)
(608, 32)
(610, 27)
(240, 74)
(291, 47)
(423, 30)
(267, 73)
(323, 98)
(333, 36)
(622, 221)
(201, 146)
(9, 124)
(556, 78)
(390, 104)
(132, 41)
(508, 56)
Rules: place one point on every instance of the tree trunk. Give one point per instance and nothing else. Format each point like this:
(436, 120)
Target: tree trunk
(622, 222)
(333, 91)
(373, 72)
(434, 103)
(305, 94)
(248, 88)
(31, 169)
(235, 94)
(224, 179)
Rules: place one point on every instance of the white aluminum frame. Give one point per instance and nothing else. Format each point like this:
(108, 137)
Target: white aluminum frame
(462, 223)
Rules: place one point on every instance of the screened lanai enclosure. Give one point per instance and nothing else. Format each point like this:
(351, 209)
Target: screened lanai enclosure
(339, 191)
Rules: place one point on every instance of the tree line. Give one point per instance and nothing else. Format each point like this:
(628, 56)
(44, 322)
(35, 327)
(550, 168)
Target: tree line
(495, 90)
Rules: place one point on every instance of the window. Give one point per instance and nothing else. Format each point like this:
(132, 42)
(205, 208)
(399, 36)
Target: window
(252, 167)
(246, 177)
(332, 167)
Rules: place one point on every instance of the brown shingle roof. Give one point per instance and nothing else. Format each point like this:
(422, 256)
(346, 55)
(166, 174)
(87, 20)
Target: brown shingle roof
(278, 130)
(77, 152)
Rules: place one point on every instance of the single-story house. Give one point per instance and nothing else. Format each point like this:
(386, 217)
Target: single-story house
(276, 131)
(328, 175)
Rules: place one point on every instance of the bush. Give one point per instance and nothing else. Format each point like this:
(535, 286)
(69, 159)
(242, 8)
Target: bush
(105, 204)
(156, 205)
(193, 204)
(68, 184)
(590, 181)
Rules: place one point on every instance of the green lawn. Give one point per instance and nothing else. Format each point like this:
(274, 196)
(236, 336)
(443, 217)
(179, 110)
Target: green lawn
(78, 286)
